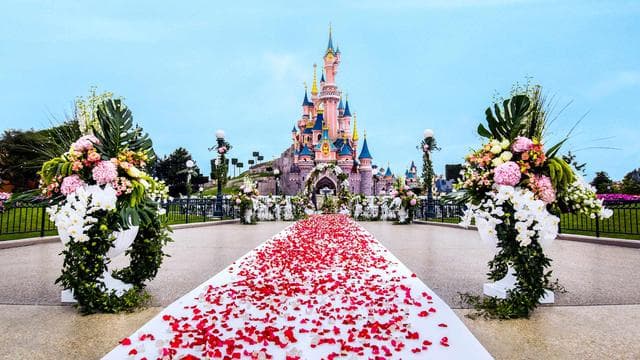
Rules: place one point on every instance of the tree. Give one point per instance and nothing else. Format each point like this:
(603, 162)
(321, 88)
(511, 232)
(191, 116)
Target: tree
(631, 182)
(173, 170)
(22, 152)
(602, 182)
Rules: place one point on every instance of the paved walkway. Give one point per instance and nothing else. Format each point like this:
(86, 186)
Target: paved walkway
(448, 260)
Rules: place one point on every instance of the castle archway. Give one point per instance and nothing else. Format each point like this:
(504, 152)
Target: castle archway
(325, 184)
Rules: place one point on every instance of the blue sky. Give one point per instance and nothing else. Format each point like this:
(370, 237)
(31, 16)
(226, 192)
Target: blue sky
(188, 68)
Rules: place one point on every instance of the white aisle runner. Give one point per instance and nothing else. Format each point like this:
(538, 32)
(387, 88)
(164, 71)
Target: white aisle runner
(323, 288)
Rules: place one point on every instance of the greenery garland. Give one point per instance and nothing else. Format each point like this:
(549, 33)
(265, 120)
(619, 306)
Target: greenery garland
(343, 192)
(427, 145)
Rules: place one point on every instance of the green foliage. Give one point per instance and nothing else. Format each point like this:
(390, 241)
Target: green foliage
(572, 160)
(510, 121)
(530, 264)
(560, 173)
(631, 183)
(116, 133)
(602, 182)
(22, 153)
(146, 253)
(172, 169)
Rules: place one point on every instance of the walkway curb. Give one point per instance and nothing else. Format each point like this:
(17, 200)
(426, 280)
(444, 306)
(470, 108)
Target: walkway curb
(635, 244)
(8, 244)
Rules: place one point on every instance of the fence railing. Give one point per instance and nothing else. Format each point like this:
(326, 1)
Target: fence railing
(624, 222)
(32, 219)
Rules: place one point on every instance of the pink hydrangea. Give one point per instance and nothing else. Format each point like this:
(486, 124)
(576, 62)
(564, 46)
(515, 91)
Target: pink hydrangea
(507, 174)
(413, 202)
(104, 172)
(521, 144)
(70, 184)
(541, 186)
(85, 143)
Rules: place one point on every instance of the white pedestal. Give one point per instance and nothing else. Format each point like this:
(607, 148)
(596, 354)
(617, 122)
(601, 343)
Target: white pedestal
(500, 288)
(66, 297)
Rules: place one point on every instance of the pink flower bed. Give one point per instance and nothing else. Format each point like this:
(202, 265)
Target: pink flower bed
(618, 197)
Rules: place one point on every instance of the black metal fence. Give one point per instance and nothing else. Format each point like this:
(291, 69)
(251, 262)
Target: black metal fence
(625, 221)
(32, 220)
(27, 220)
(190, 210)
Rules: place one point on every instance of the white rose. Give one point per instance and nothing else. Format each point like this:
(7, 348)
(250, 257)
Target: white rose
(506, 156)
(505, 144)
(496, 149)
(494, 143)
(497, 162)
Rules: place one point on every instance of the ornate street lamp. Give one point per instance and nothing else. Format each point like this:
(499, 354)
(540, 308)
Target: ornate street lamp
(427, 145)
(221, 147)
(190, 165)
(276, 175)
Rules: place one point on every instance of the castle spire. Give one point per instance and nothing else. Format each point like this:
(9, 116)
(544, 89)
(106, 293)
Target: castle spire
(347, 112)
(330, 44)
(355, 126)
(314, 85)
(306, 102)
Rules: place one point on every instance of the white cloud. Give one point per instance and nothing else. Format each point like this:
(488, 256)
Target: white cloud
(618, 81)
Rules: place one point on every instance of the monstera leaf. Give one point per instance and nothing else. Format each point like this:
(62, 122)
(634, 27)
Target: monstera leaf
(507, 122)
(116, 132)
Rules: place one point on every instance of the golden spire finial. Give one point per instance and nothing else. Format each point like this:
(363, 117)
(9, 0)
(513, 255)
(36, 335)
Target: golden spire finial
(355, 128)
(314, 85)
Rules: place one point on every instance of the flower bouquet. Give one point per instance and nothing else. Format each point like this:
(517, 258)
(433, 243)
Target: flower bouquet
(404, 201)
(513, 186)
(245, 200)
(104, 203)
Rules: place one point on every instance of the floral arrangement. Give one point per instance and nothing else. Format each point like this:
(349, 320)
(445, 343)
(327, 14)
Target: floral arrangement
(96, 189)
(513, 187)
(245, 200)
(404, 201)
(4, 196)
(222, 147)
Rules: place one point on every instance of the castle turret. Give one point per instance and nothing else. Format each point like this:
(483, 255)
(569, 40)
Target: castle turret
(366, 172)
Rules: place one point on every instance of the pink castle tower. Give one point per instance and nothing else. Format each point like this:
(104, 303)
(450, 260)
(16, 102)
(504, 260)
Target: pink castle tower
(324, 134)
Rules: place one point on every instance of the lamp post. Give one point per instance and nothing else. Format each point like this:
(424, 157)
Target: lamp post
(190, 165)
(221, 147)
(276, 175)
(428, 144)
(376, 178)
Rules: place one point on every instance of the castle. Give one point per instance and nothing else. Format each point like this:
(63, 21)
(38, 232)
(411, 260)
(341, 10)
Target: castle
(324, 134)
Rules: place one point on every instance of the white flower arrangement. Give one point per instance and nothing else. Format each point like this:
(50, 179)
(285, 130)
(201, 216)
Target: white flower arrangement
(532, 220)
(73, 219)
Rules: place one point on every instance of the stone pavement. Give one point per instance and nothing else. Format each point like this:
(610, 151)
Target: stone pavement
(596, 318)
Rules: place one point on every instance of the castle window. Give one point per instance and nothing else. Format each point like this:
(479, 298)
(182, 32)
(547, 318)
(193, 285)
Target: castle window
(319, 137)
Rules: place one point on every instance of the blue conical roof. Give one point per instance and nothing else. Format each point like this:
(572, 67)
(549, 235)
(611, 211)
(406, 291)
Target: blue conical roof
(340, 104)
(306, 101)
(305, 151)
(364, 153)
(322, 77)
(294, 129)
(388, 173)
(347, 112)
(318, 124)
(346, 150)
(330, 44)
